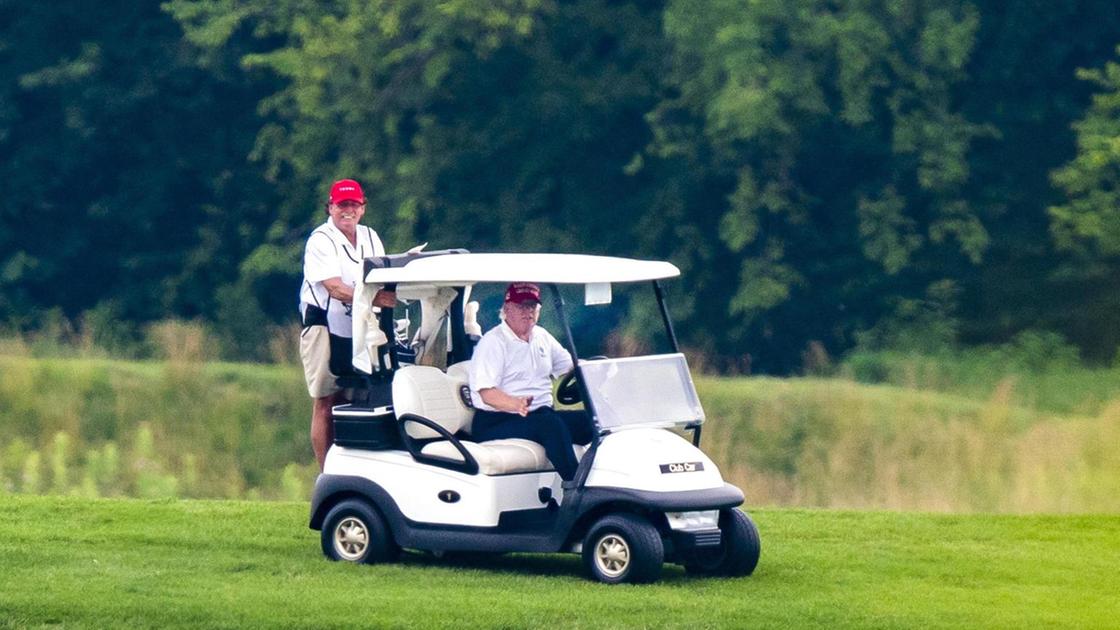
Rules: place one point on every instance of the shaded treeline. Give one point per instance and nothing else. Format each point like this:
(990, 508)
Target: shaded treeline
(827, 174)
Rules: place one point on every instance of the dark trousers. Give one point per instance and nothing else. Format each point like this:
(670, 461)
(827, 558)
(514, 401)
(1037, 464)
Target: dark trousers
(555, 430)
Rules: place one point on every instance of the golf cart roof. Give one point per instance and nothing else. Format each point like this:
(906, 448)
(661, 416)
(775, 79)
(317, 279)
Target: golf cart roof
(458, 269)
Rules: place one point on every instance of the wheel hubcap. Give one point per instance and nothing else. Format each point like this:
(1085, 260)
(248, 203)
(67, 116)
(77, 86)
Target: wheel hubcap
(612, 555)
(351, 538)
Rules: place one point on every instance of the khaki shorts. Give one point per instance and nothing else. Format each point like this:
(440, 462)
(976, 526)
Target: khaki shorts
(315, 352)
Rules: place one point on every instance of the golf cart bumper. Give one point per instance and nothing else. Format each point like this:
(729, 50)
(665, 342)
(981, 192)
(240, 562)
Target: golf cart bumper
(727, 496)
(688, 540)
(682, 540)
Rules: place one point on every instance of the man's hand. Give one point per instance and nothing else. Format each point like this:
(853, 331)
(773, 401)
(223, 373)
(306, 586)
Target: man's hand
(523, 406)
(385, 299)
(502, 401)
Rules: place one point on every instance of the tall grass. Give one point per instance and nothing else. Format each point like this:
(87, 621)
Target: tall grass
(179, 428)
(185, 428)
(1045, 373)
(101, 333)
(831, 443)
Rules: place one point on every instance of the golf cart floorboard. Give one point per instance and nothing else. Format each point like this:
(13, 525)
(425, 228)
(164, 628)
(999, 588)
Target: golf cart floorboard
(542, 540)
(530, 521)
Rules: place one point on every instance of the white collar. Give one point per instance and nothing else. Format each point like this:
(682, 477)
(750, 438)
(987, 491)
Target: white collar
(508, 332)
(339, 236)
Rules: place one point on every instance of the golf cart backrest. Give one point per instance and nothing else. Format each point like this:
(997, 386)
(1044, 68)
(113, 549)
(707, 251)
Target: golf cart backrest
(425, 391)
(460, 371)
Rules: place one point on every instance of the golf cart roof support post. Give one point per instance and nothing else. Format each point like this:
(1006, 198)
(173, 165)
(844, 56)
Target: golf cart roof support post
(385, 323)
(460, 349)
(672, 341)
(585, 462)
(558, 302)
(665, 315)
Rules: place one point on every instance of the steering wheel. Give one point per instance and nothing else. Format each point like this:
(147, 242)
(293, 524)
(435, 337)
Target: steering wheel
(568, 391)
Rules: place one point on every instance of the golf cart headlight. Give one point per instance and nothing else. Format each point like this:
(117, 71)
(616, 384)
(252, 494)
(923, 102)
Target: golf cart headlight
(706, 519)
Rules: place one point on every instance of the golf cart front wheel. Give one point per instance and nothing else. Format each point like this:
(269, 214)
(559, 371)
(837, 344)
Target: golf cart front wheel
(623, 548)
(738, 552)
(354, 532)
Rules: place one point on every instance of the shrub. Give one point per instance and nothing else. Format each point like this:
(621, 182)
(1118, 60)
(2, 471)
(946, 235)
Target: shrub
(1038, 351)
(31, 482)
(181, 341)
(59, 455)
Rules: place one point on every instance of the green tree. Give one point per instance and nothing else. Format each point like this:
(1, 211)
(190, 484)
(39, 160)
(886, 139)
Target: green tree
(358, 81)
(1022, 83)
(1086, 227)
(835, 161)
(1090, 220)
(818, 169)
(123, 164)
(471, 124)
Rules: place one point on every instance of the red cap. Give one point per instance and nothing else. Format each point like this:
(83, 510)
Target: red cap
(520, 292)
(347, 190)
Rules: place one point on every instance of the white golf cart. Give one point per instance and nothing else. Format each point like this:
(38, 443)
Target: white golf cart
(403, 471)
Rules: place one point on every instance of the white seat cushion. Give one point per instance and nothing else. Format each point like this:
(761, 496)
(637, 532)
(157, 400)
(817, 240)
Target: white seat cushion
(497, 457)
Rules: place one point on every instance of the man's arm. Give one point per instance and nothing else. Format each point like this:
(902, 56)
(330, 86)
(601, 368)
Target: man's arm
(502, 401)
(339, 290)
(561, 358)
(487, 365)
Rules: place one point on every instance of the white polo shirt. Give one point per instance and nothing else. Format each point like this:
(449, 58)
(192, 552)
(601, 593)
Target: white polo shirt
(519, 368)
(329, 254)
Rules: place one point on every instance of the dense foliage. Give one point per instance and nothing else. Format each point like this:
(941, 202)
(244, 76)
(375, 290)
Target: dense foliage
(826, 173)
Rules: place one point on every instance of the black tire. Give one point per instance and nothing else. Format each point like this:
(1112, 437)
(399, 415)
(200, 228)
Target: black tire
(354, 532)
(738, 552)
(623, 548)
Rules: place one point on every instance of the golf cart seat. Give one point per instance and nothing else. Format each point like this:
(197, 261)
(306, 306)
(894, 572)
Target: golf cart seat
(460, 371)
(434, 408)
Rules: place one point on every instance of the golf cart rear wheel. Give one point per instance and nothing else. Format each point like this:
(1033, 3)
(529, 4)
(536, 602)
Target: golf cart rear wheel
(354, 532)
(623, 548)
(738, 552)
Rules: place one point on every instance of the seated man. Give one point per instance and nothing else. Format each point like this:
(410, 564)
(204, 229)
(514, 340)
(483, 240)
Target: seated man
(511, 386)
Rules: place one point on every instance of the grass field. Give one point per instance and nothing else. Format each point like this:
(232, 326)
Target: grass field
(97, 563)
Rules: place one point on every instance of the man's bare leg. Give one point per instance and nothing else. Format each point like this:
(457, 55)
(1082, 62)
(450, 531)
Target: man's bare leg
(322, 432)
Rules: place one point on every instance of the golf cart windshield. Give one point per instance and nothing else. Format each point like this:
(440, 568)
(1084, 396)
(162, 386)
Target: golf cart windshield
(642, 391)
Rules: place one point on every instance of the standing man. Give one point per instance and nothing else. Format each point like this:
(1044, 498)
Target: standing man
(511, 383)
(332, 265)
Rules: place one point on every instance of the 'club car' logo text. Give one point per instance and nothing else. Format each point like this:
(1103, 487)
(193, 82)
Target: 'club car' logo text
(683, 467)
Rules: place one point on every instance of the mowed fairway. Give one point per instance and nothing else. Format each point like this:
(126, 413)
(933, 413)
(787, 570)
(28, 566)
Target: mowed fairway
(130, 563)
